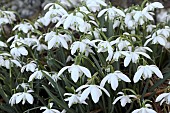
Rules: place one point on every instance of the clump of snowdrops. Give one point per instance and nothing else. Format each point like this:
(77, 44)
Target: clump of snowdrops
(89, 59)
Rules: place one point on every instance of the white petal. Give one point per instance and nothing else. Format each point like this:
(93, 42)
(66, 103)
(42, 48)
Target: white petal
(85, 71)
(138, 74)
(161, 96)
(29, 98)
(62, 70)
(156, 70)
(102, 12)
(95, 93)
(52, 42)
(122, 76)
(23, 51)
(74, 74)
(127, 61)
(114, 82)
(107, 93)
(81, 87)
(104, 80)
(19, 98)
(117, 99)
(85, 94)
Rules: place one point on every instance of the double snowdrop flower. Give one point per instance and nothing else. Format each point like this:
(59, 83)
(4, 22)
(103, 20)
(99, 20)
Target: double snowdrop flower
(145, 109)
(164, 97)
(76, 71)
(50, 110)
(38, 74)
(83, 46)
(25, 27)
(21, 96)
(124, 99)
(29, 67)
(114, 78)
(18, 51)
(95, 5)
(73, 99)
(133, 56)
(57, 40)
(7, 17)
(160, 37)
(111, 13)
(94, 90)
(146, 72)
(104, 46)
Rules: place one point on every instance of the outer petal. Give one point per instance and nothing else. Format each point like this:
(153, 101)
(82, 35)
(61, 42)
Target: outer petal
(74, 74)
(29, 98)
(122, 76)
(114, 82)
(52, 42)
(19, 98)
(127, 61)
(105, 79)
(95, 93)
(22, 50)
(150, 111)
(62, 70)
(156, 70)
(81, 87)
(161, 96)
(117, 99)
(138, 74)
(102, 12)
(85, 71)
(63, 42)
(85, 94)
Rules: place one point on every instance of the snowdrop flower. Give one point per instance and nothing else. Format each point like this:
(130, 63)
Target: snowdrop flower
(55, 13)
(18, 51)
(25, 27)
(160, 37)
(133, 56)
(113, 79)
(22, 96)
(7, 17)
(75, 22)
(83, 46)
(56, 40)
(23, 85)
(152, 6)
(38, 74)
(124, 99)
(73, 99)
(145, 109)
(164, 97)
(94, 90)
(146, 72)
(112, 13)
(29, 67)
(150, 28)
(95, 5)
(104, 46)
(49, 110)
(76, 71)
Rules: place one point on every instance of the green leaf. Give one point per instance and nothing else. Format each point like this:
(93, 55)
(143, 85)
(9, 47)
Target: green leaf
(59, 102)
(3, 94)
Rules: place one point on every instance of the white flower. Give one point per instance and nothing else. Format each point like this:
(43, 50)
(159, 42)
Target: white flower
(29, 67)
(113, 79)
(152, 6)
(83, 46)
(150, 28)
(22, 96)
(94, 90)
(23, 85)
(104, 46)
(124, 99)
(49, 110)
(18, 51)
(164, 97)
(73, 99)
(160, 37)
(56, 40)
(146, 71)
(25, 27)
(38, 74)
(76, 71)
(133, 56)
(95, 5)
(144, 109)
(112, 13)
